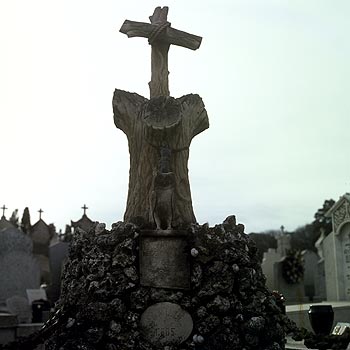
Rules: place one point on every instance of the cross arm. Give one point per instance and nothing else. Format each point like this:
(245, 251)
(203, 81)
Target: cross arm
(170, 35)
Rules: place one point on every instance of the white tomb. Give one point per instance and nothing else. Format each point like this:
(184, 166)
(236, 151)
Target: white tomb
(336, 250)
(272, 266)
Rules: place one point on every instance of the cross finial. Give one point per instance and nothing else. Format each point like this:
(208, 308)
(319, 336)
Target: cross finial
(84, 207)
(160, 35)
(40, 211)
(160, 15)
(3, 210)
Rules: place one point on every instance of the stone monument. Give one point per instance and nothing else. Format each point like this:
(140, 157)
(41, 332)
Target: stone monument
(58, 255)
(310, 279)
(163, 122)
(4, 223)
(159, 133)
(41, 235)
(336, 251)
(20, 306)
(159, 280)
(272, 267)
(270, 259)
(19, 270)
(84, 223)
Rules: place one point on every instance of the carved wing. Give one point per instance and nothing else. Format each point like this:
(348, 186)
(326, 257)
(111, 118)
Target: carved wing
(126, 106)
(194, 114)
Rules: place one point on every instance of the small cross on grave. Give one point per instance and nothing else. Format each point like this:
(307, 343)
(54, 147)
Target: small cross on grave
(3, 210)
(84, 208)
(160, 36)
(40, 211)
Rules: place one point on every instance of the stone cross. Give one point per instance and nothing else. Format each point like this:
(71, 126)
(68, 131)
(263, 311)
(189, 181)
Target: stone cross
(160, 36)
(3, 210)
(84, 208)
(40, 211)
(162, 122)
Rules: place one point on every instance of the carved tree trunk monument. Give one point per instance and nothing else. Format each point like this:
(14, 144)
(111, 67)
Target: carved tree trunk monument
(159, 132)
(159, 280)
(159, 124)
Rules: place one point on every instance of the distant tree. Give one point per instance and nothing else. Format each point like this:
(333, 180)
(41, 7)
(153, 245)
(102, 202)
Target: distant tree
(321, 221)
(25, 222)
(264, 241)
(305, 237)
(302, 238)
(272, 233)
(14, 218)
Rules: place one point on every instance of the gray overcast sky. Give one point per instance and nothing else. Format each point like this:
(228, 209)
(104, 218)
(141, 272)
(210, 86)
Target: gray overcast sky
(274, 76)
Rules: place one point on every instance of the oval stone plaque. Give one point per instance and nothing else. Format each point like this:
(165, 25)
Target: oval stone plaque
(166, 324)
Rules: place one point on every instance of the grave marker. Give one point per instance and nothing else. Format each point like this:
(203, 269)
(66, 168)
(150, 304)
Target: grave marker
(166, 324)
(19, 270)
(19, 306)
(164, 259)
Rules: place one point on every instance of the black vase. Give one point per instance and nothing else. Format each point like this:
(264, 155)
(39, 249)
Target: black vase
(321, 318)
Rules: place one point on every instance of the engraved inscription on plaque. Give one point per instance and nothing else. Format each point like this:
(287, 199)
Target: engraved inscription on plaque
(164, 262)
(166, 324)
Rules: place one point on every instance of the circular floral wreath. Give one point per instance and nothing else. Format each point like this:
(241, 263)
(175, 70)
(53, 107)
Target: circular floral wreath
(293, 267)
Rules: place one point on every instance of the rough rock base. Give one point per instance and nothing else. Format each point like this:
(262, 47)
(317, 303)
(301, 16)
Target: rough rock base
(102, 300)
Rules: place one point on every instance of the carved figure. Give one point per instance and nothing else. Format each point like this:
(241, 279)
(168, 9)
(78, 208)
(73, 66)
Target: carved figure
(162, 200)
(162, 196)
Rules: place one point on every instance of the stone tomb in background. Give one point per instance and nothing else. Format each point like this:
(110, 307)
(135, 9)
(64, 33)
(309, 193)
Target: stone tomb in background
(58, 255)
(41, 236)
(19, 270)
(274, 256)
(271, 257)
(20, 307)
(336, 250)
(293, 293)
(272, 267)
(310, 279)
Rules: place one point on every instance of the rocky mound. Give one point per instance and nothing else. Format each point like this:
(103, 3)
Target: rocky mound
(102, 300)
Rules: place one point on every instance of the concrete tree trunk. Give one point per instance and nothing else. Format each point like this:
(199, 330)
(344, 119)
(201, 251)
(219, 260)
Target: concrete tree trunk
(150, 125)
